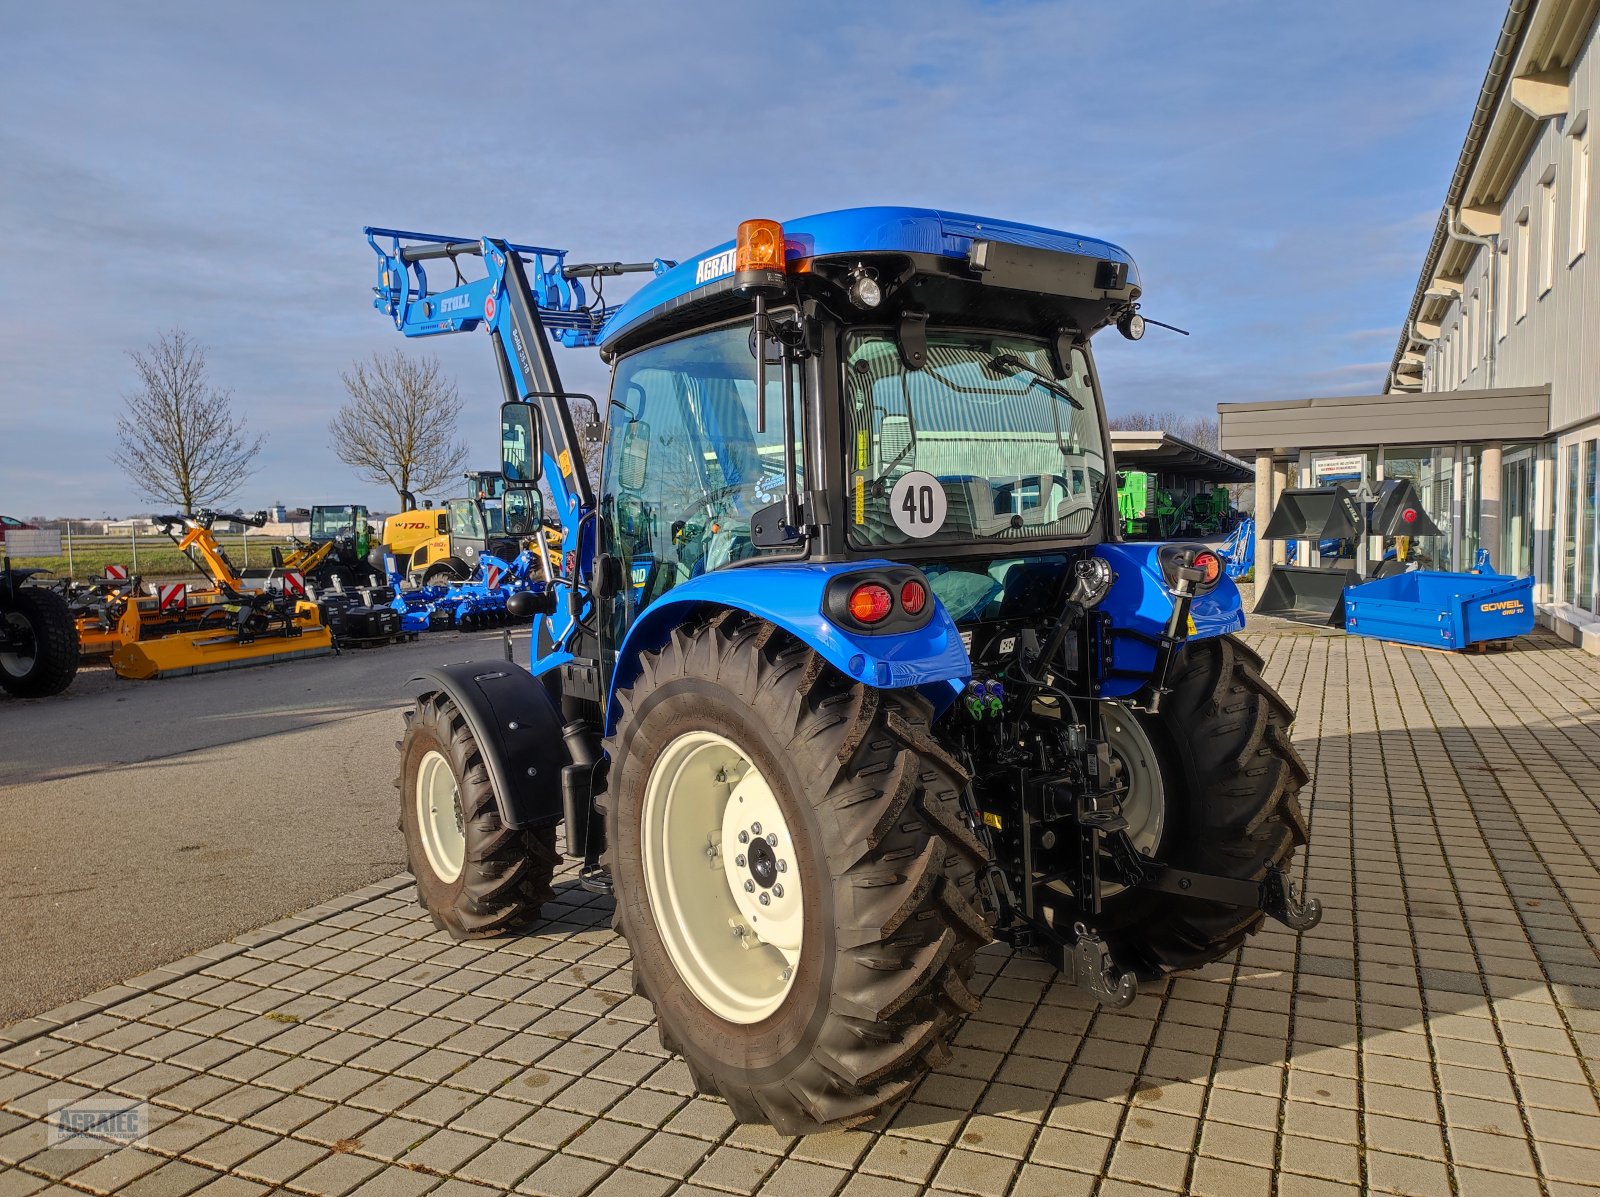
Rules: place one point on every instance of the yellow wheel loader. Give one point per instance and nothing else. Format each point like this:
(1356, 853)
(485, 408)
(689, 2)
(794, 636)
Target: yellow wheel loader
(431, 545)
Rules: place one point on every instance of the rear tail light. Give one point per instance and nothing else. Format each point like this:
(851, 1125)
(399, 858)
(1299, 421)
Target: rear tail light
(1210, 567)
(913, 597)
(883, 600)
(870, 603)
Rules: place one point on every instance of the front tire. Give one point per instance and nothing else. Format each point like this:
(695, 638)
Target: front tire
(48, 664)
(475, 876)
(1230, 781)
(844, 997)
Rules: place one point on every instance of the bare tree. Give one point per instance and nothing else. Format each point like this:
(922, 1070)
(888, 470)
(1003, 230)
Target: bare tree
(399, 426)
(179, 440)
(1198, 430)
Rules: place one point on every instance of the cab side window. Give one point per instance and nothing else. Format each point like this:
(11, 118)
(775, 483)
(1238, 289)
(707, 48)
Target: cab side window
(685, 468)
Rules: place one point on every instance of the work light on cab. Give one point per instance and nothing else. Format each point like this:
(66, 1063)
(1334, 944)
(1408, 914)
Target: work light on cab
(865, 292)
(870, 603)
(758, 255)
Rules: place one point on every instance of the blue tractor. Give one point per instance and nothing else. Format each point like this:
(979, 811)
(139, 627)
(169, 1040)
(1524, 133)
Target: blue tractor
(843, 669)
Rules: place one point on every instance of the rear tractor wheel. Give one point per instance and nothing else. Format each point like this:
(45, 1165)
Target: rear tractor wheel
(793, 875)
(39, 642)
(475, 876)
(1213, 784)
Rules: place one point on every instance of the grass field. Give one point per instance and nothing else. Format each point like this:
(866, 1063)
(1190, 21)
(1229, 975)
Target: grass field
(158, 557)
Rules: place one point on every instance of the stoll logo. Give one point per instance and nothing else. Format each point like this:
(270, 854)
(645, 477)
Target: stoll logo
(1505, 607)
(97, 1123)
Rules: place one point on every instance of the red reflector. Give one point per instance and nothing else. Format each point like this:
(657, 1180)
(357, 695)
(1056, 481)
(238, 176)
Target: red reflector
(1409, 515)
(913, 597)
(870, 603)
(1209, 565)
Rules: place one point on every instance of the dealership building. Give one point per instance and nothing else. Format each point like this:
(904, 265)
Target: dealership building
(1492, 401)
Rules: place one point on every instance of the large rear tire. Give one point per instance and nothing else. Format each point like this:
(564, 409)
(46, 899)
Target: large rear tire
(1230, 781)
(845, 996)
(48, 661)
(475, 876)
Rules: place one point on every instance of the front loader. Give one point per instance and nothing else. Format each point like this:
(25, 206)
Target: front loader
(846, 668)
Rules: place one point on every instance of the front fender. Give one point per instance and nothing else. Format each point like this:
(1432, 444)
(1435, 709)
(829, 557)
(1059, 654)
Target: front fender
(789, 595)
(518, 731)
(1139, 605)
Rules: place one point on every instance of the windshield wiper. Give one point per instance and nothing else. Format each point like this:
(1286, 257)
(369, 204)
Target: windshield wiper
(1010, 363)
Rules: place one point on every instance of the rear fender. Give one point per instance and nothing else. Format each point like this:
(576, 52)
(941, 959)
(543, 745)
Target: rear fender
(1139, 604)
(789, 595)
(518, 731)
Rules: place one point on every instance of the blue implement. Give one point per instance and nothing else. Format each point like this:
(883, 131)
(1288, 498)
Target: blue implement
(1434, 609)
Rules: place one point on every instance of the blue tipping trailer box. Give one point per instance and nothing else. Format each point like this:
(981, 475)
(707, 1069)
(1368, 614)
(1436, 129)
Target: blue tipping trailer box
(1435, 609)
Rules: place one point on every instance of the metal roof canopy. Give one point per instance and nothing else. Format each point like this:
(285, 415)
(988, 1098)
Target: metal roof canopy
(1400, 418)
(1163, 453)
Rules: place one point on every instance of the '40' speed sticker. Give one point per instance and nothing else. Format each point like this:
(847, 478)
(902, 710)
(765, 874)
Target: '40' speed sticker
(918, 504)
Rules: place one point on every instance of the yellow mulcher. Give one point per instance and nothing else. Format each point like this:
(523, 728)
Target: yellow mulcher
(170, 633)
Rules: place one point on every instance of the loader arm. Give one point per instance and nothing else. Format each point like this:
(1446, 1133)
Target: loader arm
(527, 293)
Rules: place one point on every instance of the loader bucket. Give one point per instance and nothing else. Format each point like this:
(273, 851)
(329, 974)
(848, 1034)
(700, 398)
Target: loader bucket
(1306, 595)
(1397, 511)
(1314, 513)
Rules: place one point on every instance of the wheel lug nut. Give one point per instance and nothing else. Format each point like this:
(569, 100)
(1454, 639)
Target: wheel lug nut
(755, 828)
(777, 890)
(744, 837)
(783, 866)
(772, 838)
(765, 899)
(750, 888)
(739, 860)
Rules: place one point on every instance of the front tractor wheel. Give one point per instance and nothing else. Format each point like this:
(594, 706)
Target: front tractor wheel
(793, 875)
(1213, 786)
(475, 876)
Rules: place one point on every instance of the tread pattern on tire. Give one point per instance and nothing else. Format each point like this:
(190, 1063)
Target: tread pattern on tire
(1232, 729)
(507, 874)
(55, 645)
(904, 863)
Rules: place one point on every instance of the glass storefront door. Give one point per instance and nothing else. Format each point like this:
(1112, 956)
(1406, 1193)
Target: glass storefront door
(1515, 553)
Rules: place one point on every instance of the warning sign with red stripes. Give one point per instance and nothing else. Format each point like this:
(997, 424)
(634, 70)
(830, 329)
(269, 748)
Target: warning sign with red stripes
(116, 573)
(172, 596)
(293, 584)
(493, 576)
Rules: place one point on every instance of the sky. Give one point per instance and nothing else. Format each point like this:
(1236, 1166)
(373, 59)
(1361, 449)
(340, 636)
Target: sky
(1275, 169)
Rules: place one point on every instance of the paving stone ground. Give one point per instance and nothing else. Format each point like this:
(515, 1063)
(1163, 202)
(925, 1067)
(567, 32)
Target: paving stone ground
(1439, 1033)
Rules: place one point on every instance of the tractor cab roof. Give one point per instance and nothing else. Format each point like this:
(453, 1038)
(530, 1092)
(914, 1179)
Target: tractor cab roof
(1098, 278)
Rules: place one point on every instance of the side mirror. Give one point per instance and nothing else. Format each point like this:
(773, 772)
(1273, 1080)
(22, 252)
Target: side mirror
(635, 455)
(525, 604)
(523, 508)
(607, 576)
(520, 458)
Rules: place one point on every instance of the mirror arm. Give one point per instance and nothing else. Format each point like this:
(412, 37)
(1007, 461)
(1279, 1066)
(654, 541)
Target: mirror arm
(791, 496)
(761, 363)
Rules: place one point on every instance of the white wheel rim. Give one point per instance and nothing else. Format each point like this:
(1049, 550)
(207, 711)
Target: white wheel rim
(14, 663)
(729, 910)
(439, 818)
(1144, 805)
